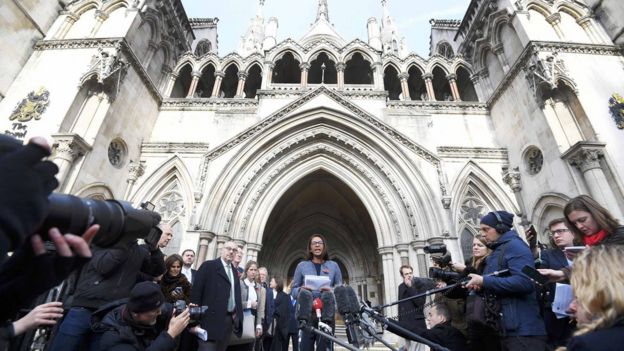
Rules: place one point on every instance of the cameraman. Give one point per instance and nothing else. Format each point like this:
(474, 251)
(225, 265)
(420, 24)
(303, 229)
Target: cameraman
(146, 322)
(108, 277)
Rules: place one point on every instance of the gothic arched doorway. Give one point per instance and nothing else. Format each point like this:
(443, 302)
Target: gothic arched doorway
(322, 203)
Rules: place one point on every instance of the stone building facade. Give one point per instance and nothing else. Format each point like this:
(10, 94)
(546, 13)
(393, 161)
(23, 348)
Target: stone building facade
(380, 149)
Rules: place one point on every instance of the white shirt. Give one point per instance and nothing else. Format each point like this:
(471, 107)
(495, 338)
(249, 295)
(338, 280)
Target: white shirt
(188, 273)
(252, 296)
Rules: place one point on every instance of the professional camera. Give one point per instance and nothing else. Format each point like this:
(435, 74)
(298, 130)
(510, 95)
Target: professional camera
(195, 312)
(435, 248)
(444, 275)
(120, 223)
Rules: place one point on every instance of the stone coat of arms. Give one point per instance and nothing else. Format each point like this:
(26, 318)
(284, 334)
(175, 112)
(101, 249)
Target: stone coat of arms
(616, 106)
(32, 106)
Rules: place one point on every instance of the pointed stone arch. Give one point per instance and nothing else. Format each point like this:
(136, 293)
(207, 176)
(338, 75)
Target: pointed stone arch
(98, 191)
(548, 207)
(185, 60)
(109, 6)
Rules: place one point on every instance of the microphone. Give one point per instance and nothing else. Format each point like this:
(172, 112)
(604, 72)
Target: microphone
(350, 314)
(329, 307)
(342, 301)
(303, 312)
(354, 303)
(317, 304)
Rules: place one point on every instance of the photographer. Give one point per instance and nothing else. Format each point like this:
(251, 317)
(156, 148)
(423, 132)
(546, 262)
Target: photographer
(145, 322)
(109, 276)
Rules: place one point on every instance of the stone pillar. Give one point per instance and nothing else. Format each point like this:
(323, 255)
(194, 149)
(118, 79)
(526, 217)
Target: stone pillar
(172, 79)
(586, 156)
(151, 50)
(240, 89)
(421, 259)
(66, 149)
(390, 287)
(500, 54)
(378, 76)
(474, 78)
(555, 20)
(340, 67)
(193, 87)
(428, 77)
(217, 85)
(205, 237)
(452, 79)
(268, 74)
(588, 26)
(135, 171)
(404, 88)
(487, 86)
(304, 66)
(511, 177)
(100, 17)
(221, 239)
(403, 250)
(253, 249)
(68, 22)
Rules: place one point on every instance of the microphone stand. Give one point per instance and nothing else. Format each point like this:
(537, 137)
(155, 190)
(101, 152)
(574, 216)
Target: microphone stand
(381, 340)
(383, 320)
(435, 291)
(304, 325)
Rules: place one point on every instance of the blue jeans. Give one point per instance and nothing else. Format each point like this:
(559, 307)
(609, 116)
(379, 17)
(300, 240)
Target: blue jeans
(75, 333)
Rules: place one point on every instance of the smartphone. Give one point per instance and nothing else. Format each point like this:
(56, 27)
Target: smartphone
(178, 290)
(575, 249)
(535, 275)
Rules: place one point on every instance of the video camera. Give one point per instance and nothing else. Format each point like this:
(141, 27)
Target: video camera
(195, 312)
(442, 272)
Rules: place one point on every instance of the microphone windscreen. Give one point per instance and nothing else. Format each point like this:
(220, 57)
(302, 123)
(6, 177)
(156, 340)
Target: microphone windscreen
(342, 300)
(329, 307)
(303, 311)
(354, 303)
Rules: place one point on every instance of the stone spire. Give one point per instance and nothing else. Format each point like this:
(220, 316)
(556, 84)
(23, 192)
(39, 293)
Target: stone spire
(391, 41)
(323, 11)
(253, 39)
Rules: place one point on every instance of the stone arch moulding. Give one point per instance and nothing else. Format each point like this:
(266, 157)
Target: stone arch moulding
(473, 176)
(171, 171)
(330, 140)
(543, 204)
(98, 190)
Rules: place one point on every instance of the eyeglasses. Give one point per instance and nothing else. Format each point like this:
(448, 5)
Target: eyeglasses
(559, 231)
(314, 243)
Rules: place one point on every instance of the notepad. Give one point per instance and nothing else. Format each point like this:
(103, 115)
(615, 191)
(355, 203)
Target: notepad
(316, 282)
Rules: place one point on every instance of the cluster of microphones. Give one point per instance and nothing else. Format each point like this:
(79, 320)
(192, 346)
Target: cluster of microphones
(361, 331)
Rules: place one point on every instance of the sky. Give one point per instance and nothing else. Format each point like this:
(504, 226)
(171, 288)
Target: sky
(348, 16)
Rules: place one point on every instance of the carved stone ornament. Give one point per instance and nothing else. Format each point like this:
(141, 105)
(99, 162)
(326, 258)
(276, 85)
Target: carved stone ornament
(109, 69)
(512, 178)
(544, 72)
(117, 153)
(534, 160)
(472, 209)
(170, 205)
(33, 106)
(616, 107)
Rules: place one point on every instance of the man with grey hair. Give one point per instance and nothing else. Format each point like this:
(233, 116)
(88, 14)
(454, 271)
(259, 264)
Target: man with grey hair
(218, 287)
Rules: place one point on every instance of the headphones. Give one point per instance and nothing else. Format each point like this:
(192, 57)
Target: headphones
(500, 227)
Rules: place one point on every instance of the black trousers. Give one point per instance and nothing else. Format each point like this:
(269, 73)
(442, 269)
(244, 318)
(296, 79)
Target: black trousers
(523, 343)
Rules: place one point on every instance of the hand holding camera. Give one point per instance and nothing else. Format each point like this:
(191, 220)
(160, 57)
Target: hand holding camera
(178, 323)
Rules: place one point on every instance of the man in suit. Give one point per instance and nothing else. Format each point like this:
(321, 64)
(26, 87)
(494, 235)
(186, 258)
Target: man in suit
(269, 309)
(411, 314)
(559, 330)
(440, 329)
(188, 258)
(217, 287)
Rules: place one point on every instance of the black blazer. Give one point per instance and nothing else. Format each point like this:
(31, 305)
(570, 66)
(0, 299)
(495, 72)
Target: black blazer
(608, 339)
(446, 335)
(553, 259)
(211, 287)
(411, 312)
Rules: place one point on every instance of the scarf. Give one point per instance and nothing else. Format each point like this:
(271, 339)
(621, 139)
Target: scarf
(595, 239)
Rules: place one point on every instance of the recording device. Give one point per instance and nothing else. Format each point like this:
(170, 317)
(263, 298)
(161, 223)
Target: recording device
(574, 249)
(435, 248)
(444, 275)
(350, 315)
(195, 312)
(177, 290)
(328, 310)
(531, 235)
(534, 275)
(120, 223)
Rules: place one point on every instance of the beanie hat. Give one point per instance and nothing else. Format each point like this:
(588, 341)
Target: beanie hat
(145, 296)
(491, 220)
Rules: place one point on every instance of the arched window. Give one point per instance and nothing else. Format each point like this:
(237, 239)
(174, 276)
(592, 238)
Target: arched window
(441, 85)
(287, 70)
(445, 50)
(392, 84)
(206, 82)
(322, 69)
(230, 82)
(416, 84)
(182, 83)
(464, 85)
(253, 81)
(358, 70)
(203, 47)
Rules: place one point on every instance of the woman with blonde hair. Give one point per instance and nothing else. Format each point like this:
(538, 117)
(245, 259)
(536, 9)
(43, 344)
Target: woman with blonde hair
(598, 284)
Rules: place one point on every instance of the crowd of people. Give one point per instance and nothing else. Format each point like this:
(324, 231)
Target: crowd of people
(507, 296)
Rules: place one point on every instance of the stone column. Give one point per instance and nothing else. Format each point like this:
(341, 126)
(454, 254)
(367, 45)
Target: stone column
(404, 88)
(304, 66)
(452, 79)
(172, 79)
(487, 86)
(340, 67)
(586, 156)
(421, 258)
(586, 23)
(390, 286)
(66, 149)
(253, 249)
(511, 177)
(555, 20)
(474, 78)
(221, 239)
(240, 89)
(500, 54)
(193, 87)
(268, 74)
(378, 76)
(151, 50)
(135, 171)
(217, 85)
(205, 237)
(68, 22)
(100, 17)
(403, 250)
(428, 77)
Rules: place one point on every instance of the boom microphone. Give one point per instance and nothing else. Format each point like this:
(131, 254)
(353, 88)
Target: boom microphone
(354, 303)
(303, 312)
(342, 300)
(329, 307)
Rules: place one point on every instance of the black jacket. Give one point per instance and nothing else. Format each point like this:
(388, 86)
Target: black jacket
(446, 335)
(112, 273)
(212, 288)
(123, 334)
(411, 312)
(608, 339)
